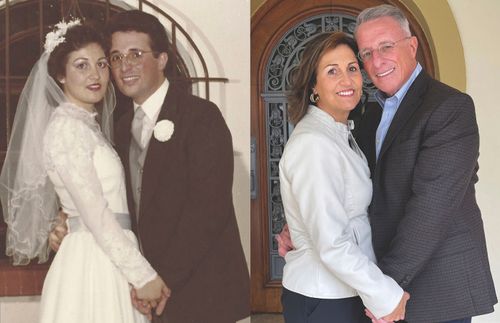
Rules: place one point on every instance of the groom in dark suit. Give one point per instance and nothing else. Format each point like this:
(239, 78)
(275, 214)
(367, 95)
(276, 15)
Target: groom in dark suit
(422, 147)
(177, 152)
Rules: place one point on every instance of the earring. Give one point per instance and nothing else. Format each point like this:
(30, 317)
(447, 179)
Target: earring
(314, 97)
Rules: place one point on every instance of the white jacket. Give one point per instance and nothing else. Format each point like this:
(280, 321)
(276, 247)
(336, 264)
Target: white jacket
(326, 190)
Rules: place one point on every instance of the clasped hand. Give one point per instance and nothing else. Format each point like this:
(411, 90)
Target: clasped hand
(285, 245)
(153, 295)
(397, 314)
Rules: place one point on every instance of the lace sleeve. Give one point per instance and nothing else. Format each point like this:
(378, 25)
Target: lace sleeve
(69, 146)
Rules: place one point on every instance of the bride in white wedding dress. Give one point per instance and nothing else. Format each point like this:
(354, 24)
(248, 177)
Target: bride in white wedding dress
(59, 157)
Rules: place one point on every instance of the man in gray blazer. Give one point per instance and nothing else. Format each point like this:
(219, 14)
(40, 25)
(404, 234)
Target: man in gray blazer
(422, 146)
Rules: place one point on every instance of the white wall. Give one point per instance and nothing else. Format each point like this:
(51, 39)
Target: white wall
(221, 30)
(479, 29)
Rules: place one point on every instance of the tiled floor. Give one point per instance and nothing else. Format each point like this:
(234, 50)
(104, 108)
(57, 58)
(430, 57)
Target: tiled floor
(267, 318)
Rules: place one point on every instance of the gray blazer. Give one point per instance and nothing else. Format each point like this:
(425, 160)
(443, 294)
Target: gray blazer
(427, 228)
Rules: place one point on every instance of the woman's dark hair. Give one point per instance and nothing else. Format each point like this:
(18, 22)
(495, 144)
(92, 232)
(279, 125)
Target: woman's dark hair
(75, 38)
(304, 78)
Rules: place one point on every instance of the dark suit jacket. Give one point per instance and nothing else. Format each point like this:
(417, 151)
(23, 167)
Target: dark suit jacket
(427, 228)
(187, 226)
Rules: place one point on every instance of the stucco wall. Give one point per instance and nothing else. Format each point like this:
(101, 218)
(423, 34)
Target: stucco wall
(479, 29)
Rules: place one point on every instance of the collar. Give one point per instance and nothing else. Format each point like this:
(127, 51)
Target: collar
(153, 104)
(329, 120)
(79, 110)
(400, 94)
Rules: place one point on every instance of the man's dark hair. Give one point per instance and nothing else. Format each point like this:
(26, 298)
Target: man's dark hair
(139, 21)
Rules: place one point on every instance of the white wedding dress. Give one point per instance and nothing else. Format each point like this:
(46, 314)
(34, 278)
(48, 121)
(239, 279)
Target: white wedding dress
(88, 281)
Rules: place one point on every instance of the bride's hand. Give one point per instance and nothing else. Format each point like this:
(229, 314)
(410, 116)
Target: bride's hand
(141, 306)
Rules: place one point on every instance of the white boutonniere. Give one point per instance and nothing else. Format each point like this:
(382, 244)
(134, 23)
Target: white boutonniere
(163, 130)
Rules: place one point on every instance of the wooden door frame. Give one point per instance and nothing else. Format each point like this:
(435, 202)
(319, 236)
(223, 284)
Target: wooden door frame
(268, 25)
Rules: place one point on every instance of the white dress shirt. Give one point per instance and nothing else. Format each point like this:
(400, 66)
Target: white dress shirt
(326, 190)
(151, 107)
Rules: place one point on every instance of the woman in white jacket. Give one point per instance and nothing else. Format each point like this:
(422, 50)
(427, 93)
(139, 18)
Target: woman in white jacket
(326, 190)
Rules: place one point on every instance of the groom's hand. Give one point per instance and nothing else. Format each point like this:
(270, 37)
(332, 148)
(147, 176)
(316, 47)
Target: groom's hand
(284, 241)
(165, 295)
(58, 232)
(399, 312)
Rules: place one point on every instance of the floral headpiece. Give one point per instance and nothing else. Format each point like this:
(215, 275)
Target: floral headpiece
(56, 36)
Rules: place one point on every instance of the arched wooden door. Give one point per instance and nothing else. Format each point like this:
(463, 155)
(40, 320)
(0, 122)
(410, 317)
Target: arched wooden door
(279, 31)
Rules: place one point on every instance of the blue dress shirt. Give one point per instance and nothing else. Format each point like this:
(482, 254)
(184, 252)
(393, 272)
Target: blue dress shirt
(390, 107)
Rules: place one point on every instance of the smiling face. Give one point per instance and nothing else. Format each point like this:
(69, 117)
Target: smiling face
(86, 76)
(391, 71)
(140, 79)
(339, 83)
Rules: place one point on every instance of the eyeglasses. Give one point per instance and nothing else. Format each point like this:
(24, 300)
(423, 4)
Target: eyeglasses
(384, 49)
(133, 57)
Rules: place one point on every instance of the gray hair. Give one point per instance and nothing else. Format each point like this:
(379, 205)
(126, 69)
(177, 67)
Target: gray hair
(381, 11)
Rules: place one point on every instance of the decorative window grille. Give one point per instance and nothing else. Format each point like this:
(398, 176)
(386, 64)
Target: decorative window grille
(283, 61)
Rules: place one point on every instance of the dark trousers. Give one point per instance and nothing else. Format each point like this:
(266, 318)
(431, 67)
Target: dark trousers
(466, 320)
(298, 308)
